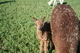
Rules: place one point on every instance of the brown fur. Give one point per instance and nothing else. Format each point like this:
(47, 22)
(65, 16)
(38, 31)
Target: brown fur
(64, 27)
(44, 34)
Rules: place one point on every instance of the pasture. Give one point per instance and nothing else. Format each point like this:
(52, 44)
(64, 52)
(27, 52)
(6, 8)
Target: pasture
(17, 28)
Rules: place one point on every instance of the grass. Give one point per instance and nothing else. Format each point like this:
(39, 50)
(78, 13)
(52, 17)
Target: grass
(17, 28)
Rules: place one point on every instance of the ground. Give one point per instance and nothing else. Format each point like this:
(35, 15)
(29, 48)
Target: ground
(17, 28)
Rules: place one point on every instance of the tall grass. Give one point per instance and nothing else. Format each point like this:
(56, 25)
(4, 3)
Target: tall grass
(17, 28)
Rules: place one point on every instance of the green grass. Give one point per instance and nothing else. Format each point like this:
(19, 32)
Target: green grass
(17, 28)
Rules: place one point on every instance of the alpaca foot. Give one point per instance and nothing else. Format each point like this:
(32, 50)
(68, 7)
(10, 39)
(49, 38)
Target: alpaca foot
(49, 3)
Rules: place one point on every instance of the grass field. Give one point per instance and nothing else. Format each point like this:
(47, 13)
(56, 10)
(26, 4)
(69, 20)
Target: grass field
(17, 28)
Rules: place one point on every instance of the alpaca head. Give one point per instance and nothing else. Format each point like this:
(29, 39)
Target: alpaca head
(39, 23)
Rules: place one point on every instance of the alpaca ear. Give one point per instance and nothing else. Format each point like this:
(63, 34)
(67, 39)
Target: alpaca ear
(43, 19)
(34, 19)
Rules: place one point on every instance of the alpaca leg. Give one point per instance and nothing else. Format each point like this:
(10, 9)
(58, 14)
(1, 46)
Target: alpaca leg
(41, 46)
(55, 3)
(61, 1)
(46, 46)
(49, 3)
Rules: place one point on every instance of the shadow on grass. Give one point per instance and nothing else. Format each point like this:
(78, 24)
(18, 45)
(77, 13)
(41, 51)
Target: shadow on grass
(63, 3)
(51, 49)
(7, 2)
(59, 3)
(78, 47)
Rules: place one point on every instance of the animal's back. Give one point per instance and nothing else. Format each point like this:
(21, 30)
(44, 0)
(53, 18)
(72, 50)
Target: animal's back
(64, 27)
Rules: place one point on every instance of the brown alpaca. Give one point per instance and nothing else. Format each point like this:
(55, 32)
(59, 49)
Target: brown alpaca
(44, 34)
(65, 30)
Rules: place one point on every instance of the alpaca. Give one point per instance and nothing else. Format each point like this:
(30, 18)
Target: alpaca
(44, 34)
(65, 30)
(55, 2)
